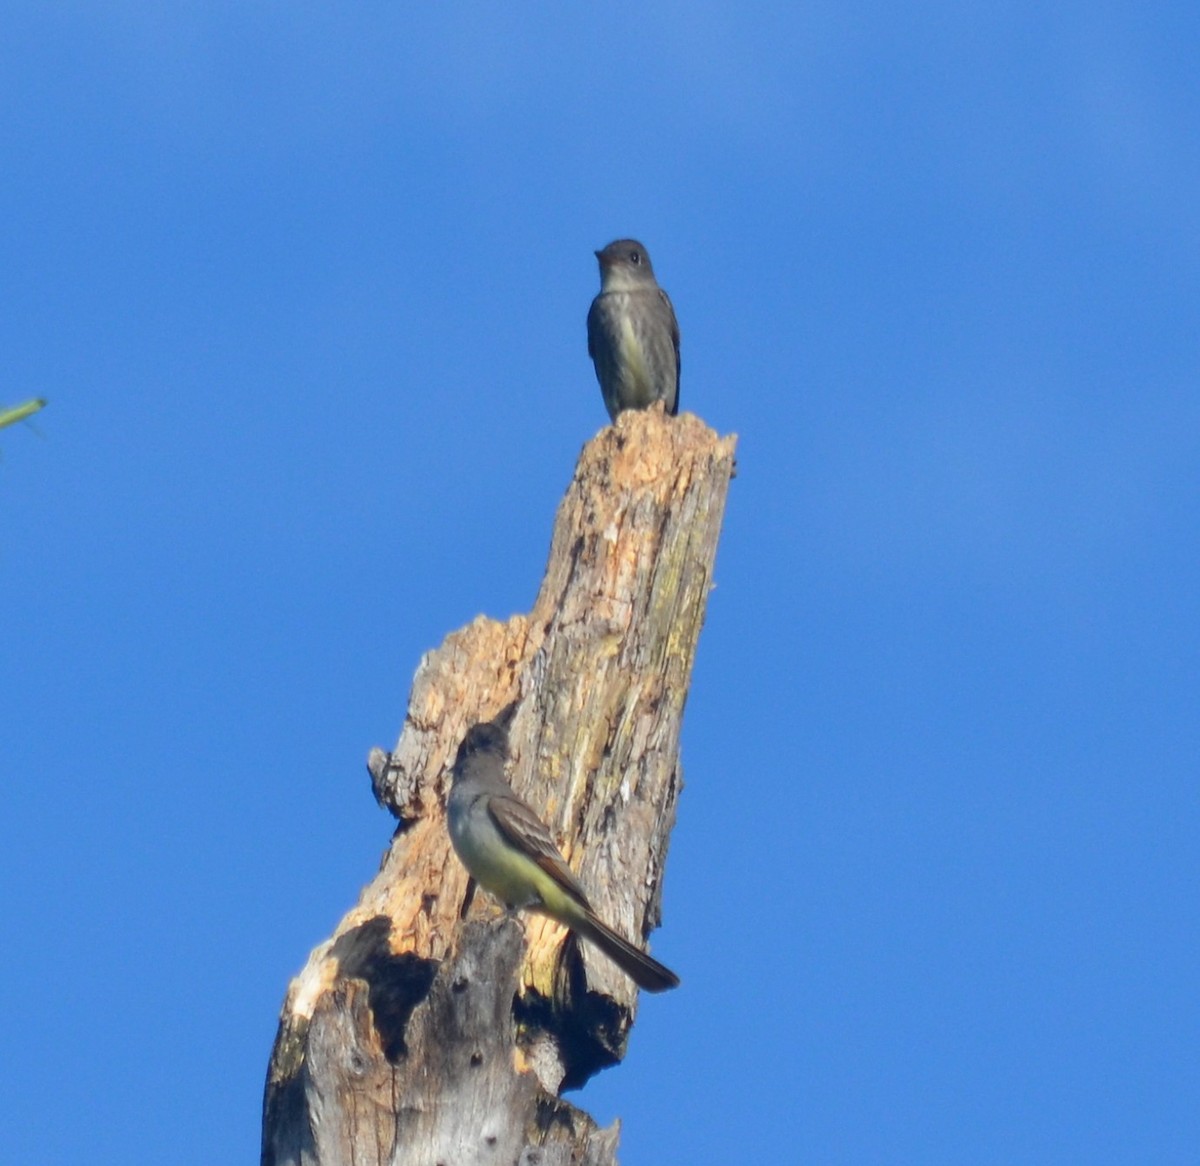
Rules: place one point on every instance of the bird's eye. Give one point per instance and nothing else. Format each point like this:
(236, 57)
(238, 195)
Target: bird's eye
(635, 257)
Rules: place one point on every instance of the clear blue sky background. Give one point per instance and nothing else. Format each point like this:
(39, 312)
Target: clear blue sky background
(305, 286)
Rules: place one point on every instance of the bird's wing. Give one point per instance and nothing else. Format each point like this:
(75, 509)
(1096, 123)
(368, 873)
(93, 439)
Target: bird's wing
(525, 830)
(666, 299)
(593, 326)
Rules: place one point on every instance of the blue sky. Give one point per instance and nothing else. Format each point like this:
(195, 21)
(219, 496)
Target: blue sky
(306, 291)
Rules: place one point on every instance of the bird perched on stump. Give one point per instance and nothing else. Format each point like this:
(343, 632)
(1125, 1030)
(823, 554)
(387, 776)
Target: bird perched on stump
(509, 852)
(633, 336)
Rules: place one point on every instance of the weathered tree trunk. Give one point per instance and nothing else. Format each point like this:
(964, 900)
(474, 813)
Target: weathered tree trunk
(432, 1028)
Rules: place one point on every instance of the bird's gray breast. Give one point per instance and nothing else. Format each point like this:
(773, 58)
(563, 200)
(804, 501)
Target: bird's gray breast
(631, 340)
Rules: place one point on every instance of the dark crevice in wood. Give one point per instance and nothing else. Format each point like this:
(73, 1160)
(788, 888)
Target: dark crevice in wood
(588, 1029)
(396, 983)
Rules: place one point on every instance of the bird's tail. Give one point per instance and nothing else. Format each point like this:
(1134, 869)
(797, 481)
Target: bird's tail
(642, 969)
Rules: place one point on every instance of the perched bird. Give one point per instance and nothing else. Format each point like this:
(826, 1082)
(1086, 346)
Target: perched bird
(633, 336)
(505, 846)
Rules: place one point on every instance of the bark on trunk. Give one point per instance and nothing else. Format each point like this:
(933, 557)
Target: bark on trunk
(431, 1028)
